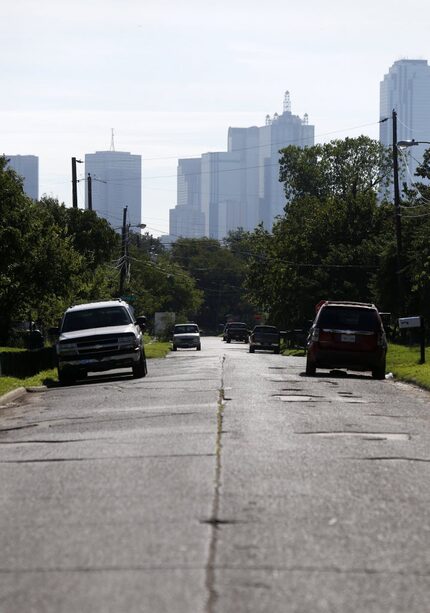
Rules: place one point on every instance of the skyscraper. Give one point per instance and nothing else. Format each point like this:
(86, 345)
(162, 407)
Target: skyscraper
(279, 132)
(240, 188)
(116, 179)
(27, 167)
(187, 219)
(220, 192)
(406, 89)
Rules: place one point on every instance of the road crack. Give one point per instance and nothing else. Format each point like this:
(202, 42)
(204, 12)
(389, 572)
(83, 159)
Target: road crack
(215, 522)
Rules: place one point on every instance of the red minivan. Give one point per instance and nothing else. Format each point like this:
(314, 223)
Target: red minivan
(347, 335)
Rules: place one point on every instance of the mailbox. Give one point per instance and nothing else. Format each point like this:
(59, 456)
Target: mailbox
(409, 322)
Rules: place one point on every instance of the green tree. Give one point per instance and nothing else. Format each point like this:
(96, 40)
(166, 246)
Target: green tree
(50, 256)
(38, 265)
(328, 243)
(340, 169)
(219, 272)
(92, 236)
(158, 284)
(415, 256)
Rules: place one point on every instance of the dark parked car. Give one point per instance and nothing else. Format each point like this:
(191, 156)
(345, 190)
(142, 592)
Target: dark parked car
(237, 331)
(265, 337)
(100, 336)
(347, 335)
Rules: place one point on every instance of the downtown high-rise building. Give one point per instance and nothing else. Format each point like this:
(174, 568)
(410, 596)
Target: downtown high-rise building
(27, 167)
(187, 219)
(116, 183)
(240, 187)
(406, 90)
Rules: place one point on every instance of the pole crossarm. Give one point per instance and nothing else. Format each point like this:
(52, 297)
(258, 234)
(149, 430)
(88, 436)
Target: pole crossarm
(411, 143)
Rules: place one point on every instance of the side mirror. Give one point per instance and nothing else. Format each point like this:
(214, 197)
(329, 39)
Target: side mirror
(54, 331)
(141, 322)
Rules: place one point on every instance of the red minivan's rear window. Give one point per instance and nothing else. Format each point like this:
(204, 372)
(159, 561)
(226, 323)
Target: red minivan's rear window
(348, 318)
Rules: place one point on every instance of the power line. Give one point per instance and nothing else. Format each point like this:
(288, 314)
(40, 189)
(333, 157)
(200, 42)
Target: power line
(280, 143)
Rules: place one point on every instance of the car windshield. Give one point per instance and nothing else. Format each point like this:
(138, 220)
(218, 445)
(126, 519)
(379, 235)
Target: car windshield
(95, 318)
(348, 318)
(266, 329)
(185, 329)
(237, 325)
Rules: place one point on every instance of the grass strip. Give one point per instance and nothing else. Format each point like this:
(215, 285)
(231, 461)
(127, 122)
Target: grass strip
(404, 363)
(45, 377)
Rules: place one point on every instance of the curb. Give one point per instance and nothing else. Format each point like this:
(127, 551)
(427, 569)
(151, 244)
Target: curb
(13, 395)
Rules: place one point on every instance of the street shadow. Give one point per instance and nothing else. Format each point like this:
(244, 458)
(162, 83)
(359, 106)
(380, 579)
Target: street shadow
(93, 378)
(338, 374)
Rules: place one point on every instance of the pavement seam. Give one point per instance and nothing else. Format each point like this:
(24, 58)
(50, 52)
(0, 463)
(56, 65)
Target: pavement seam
(214, 520)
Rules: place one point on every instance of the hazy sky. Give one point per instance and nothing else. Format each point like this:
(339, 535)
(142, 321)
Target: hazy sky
(171, 77)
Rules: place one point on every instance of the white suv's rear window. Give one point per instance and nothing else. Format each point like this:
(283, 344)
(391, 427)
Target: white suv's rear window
(185, 329)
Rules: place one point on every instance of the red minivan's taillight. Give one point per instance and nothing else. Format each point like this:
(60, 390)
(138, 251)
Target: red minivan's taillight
(315, 334)
(382, 340)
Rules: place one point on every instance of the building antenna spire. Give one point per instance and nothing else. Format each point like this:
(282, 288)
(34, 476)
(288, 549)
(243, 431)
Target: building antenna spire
(287, 102)
(112, 142)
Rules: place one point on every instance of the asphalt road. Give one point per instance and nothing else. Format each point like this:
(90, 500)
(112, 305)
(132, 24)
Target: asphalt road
(223, 482)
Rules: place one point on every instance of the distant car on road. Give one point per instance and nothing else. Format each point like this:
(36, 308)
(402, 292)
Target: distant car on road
(100, 336)
(347, 335)
(265, 337)
(236, 331)
(186, 336)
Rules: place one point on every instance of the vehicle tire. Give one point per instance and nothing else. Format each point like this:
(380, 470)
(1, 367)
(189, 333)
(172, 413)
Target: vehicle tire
(276, 350)
(310, 368)
(251, 349)
(379, 372)
(199, 347)
(66, 378)
(228, 340)
(174, 348)
(140, 369)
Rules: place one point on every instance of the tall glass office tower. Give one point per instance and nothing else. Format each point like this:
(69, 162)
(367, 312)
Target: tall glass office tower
(27, 166)
(406, 89)
(116, 180)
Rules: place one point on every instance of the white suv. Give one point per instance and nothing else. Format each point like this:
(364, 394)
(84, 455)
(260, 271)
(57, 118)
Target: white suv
(100, 336)
(186, 336)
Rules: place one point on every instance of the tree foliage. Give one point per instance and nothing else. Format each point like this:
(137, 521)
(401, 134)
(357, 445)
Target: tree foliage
(160, 285)
(219, 272)
(327, 246)
(339, 169)
(415, 254)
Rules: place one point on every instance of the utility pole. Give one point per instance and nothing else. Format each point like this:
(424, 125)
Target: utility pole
(123, 270)
(75, 183)
(90, 193)
(397, 191)
(397, 212)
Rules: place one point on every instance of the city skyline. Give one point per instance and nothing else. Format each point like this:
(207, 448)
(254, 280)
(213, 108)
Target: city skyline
(238, 188)
(172, 79)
